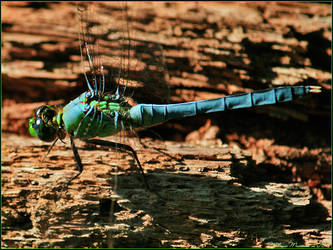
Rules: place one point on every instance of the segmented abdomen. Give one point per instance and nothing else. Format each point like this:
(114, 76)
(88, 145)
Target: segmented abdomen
(145, 115)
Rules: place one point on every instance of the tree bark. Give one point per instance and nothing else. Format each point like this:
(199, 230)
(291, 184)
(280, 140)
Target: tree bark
(252, 178)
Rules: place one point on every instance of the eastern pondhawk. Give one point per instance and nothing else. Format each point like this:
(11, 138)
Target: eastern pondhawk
(97, 113)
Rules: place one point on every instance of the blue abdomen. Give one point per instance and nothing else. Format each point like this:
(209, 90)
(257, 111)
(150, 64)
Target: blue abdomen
(145, 115)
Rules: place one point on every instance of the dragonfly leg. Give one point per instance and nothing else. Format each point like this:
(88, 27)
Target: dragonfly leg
(78, 161)
(122, 147)
(50, 147)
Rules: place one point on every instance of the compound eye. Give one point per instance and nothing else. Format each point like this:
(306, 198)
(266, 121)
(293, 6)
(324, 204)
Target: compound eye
(39, 111)
(45, 112)
(43, 131)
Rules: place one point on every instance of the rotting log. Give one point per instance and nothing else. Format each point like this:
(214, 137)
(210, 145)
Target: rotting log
(214, 195)
(198, 198)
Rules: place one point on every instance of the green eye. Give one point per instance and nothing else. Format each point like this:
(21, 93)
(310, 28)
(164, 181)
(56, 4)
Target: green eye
(31, 129)
(41, 130)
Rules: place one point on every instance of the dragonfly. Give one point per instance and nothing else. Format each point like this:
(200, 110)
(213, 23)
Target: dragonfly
(97, 113)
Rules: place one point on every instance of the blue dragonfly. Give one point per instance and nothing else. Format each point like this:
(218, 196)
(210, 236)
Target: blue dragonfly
(98, 113)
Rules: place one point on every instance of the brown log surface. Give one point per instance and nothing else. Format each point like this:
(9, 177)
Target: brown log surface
(247, 178)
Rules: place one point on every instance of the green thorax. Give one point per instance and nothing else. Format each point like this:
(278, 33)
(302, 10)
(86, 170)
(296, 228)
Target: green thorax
(86, 117)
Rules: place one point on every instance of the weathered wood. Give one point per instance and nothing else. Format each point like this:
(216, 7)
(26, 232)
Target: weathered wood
(212, 196)
(213, 47)
(215, 195)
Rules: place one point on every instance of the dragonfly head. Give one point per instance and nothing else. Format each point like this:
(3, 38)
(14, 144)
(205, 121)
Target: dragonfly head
(43, 124)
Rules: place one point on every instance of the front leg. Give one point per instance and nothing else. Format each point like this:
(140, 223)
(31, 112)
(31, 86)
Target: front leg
(122, 147)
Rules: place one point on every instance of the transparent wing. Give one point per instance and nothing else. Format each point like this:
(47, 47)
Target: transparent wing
(89, 48)
(111, 43)
(149, 68)
(151, 72)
